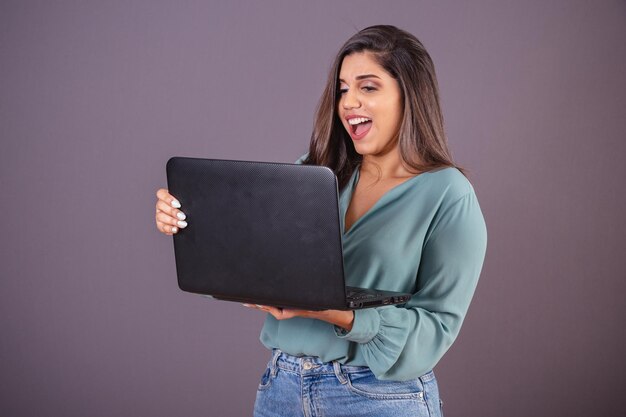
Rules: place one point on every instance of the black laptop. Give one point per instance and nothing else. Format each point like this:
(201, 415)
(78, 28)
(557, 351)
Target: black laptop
(263, 233)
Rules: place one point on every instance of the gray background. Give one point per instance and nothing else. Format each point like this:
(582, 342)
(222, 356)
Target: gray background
(95, 96)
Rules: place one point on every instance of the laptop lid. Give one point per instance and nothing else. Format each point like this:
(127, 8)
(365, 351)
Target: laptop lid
(259, 232)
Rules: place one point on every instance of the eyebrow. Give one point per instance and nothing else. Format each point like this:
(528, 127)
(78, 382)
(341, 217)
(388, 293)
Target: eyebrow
(362, 77)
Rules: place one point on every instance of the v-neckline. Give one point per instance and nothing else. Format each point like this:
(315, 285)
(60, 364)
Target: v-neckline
(352, 186)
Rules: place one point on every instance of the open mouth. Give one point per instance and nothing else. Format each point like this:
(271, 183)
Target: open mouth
(360, 126)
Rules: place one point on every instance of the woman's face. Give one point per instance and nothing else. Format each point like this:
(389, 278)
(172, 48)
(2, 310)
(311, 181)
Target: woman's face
(369, 105)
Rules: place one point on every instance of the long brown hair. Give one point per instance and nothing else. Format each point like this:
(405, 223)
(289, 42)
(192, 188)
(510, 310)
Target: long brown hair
(421, 137)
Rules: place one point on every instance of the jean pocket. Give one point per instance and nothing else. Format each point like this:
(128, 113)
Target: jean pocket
(367, 385)
(266, 379)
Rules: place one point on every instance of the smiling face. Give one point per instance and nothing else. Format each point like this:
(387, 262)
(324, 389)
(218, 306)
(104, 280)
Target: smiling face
(369, 104)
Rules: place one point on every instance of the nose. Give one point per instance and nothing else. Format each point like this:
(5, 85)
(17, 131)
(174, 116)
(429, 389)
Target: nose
(350, 100)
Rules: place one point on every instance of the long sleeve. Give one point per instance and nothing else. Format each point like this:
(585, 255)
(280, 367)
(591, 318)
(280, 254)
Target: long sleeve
(404, 342)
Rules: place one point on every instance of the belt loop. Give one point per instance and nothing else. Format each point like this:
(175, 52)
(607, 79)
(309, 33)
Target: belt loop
(426, 377)
(273, 366)
(339, 373)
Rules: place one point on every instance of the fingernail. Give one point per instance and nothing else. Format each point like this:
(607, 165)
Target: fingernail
(181, 215)
(182, 224)
(175, 204)
(174, 230)
(247, 305)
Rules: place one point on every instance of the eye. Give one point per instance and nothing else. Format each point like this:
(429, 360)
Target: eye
(342, 91)
(369, 88)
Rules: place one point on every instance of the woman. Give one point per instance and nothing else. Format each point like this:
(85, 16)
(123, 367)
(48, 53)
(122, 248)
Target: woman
(411, 223)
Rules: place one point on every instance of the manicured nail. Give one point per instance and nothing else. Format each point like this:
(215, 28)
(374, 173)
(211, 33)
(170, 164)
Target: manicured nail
(182, 224)
(175, 204)
(174, 229)
(181, 215)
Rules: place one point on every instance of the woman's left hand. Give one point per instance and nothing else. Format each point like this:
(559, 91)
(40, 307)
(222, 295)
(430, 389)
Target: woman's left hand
(340, 318)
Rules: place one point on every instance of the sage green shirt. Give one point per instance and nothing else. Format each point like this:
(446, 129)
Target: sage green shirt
(426, 236)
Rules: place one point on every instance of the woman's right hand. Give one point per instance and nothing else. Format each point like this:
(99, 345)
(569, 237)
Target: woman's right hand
(169, 219)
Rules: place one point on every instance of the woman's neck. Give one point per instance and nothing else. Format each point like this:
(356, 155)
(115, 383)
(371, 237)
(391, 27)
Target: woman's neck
(387, 166)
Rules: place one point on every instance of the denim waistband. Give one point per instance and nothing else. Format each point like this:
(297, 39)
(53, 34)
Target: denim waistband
(313, 365)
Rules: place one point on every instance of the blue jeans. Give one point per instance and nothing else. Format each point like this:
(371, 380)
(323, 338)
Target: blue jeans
(305, 386)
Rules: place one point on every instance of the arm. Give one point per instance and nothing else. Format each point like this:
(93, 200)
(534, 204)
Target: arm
(339, 318)
(405, 342)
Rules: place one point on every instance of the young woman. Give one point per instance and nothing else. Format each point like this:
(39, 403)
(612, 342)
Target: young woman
(411, 223)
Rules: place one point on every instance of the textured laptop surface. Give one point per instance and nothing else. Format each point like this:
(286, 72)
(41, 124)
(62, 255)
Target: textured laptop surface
(259, 232)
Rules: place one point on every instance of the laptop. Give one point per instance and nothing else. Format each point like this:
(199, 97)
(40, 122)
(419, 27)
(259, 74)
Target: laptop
(264, 233)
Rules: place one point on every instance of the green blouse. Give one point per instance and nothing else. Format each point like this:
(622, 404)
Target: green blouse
(426, 236)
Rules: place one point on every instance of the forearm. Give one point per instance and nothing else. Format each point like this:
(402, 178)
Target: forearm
(343, 319)
(340, 318)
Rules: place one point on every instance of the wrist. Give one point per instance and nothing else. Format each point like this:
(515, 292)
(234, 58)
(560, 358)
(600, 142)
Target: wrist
(343, 319)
